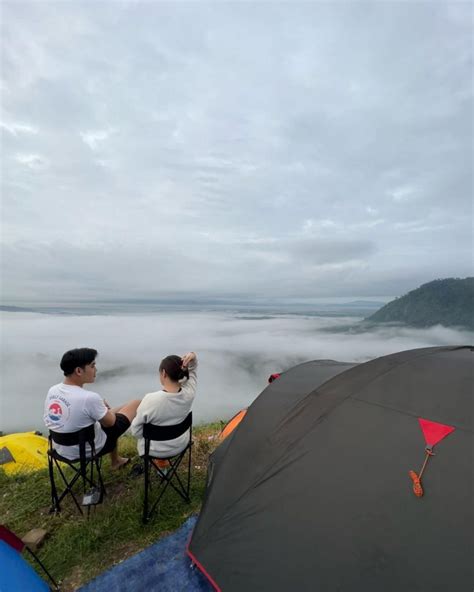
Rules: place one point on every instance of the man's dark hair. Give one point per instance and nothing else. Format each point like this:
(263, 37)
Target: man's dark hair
(77, 358)
(173, 366)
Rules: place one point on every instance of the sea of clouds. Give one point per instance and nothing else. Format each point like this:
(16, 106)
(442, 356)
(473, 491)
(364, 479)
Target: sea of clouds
(236, 354)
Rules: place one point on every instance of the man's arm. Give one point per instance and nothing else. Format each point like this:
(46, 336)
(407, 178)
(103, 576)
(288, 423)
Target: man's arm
(108, 420)
(98, 409)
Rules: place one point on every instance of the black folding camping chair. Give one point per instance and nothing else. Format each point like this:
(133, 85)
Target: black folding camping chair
(85, 466)
(168, 477)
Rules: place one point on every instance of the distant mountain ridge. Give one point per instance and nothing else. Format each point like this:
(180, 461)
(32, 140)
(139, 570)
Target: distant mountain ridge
(448, 302)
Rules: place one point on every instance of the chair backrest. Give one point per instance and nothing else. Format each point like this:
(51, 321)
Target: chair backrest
(81, 437)
(168, 432)
(74, 438)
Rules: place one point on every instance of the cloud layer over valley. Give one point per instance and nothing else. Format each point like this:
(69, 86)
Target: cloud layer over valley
(236, 354)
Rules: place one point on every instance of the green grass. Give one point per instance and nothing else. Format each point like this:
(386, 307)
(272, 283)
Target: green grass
(79, 548)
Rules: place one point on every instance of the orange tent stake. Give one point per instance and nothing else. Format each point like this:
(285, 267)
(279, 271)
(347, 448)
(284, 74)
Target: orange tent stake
(417, 487)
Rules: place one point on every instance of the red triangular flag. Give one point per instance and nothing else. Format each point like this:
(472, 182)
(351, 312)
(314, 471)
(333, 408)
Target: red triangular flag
(434, 432)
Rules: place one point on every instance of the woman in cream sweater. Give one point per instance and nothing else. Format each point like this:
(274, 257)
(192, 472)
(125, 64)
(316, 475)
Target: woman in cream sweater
(168, 406)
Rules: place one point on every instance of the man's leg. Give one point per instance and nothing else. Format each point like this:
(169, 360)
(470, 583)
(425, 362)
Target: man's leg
(117, 461)
(129, 410)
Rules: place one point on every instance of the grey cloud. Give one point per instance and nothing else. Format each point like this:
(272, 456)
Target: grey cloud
(314, 250)
(318, 251)
(162, 124)
(122, 270)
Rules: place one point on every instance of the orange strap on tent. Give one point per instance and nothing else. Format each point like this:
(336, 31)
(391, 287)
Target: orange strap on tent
(417, 487)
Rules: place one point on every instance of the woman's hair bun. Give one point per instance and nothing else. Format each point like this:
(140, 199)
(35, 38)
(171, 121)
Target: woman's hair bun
(173, 366)
(184, 373)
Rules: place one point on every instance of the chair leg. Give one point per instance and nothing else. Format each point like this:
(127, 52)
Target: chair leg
(69, 485)
(99, 472)
(55, 507)
(166, 480)
(88, 479)
(189, 471)
(162, 488)
(146, 517)
(94, 482)
(181, 490)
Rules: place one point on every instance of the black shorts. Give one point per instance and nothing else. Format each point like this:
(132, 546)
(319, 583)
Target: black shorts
(121, 425)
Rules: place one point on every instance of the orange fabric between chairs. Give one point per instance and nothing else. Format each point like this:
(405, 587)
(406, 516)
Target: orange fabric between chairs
(160, 463)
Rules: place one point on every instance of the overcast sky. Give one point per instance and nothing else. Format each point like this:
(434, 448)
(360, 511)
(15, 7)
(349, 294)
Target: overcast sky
(244, 149)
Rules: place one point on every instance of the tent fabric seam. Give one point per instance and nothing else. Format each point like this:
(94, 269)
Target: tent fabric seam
(407, 413)
(396, 366)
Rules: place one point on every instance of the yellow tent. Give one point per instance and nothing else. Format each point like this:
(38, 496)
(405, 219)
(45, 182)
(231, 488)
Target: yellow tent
(23, 452)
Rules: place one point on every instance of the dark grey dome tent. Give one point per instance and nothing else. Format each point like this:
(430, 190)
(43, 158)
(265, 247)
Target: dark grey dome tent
(313, 490)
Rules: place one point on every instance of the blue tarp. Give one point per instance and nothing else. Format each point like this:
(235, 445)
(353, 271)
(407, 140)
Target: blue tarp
(164, 566)
(16, 574)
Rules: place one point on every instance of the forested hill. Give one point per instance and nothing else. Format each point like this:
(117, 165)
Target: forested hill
(448, 302)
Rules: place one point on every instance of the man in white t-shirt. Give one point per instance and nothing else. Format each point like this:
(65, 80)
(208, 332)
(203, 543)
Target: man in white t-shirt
(69, 407)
